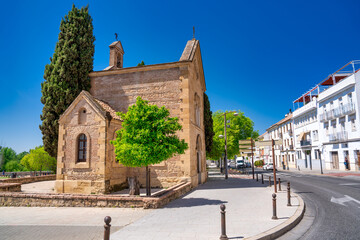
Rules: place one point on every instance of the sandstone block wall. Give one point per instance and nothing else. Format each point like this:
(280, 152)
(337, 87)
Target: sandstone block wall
(81, 177)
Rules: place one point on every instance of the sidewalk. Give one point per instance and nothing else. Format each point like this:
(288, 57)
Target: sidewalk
(334, 173)
(197, 214)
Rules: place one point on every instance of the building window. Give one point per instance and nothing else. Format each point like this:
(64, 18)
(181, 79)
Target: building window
(82, 116)
(315, 135)
(349, 98)
(352, 121)
(82, 142)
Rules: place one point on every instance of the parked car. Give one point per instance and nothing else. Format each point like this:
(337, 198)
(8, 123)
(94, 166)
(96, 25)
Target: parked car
(269, 166)
(240, 164)
(232, 164)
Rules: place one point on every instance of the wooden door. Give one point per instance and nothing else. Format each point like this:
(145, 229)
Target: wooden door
(335, 160)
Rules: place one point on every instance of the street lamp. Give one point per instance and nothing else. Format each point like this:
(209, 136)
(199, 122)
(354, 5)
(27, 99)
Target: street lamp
(222, 136)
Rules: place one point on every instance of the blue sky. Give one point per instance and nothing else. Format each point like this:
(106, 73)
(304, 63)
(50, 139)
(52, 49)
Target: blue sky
(258, 56)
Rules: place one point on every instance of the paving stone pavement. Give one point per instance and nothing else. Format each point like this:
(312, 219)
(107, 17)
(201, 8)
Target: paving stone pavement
(194, 216)
(197, 215)
(22, 223)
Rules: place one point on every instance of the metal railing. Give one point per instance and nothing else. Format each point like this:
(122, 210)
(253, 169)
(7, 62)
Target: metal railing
(338, 112)
(304, 143)
(339, 136)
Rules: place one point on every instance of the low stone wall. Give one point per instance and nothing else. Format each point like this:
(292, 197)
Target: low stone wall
(10, 187)
(71, 200)
(29, 179)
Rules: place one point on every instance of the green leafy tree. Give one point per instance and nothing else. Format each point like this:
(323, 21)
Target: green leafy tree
(141, 64)
(148, 136)
(241, 128)
(68, 72)
(21, 155)
(208, 124)
(13, 166)
(39, 160)
(7, 154)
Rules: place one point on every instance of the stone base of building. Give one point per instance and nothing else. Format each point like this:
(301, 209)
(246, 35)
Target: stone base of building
(158, 200)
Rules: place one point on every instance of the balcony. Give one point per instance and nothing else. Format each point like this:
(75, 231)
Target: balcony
(330, 115)
(305, 143)
(291, 147)
(337, 137)
(322, 117)
(348, 109)
(338, 112)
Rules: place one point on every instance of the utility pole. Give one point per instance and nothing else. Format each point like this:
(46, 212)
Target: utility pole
(252, 158)
(274, 167)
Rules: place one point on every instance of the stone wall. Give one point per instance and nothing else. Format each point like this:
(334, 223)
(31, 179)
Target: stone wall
(81, 177)
(10, 187)
(159, 84)
(72, 200)
(29, 179)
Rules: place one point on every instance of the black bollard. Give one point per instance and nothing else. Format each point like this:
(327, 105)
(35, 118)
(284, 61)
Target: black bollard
(107, 226)
(262, 178)
(269, 181)
(279, 185)
(288, 195)
(257, 177)
(274, 207)
(223, 224)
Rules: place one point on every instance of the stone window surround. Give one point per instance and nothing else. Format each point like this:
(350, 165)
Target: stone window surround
(75, 163)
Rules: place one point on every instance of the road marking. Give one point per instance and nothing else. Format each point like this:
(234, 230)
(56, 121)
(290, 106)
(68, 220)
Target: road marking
(345, 184)
(343, 200)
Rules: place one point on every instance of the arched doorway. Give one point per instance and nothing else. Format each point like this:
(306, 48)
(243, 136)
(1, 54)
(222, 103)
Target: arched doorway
(198, 157)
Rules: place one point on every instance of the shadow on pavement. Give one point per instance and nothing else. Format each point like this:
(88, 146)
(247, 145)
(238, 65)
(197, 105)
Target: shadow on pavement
(193, 202)
(220, 183)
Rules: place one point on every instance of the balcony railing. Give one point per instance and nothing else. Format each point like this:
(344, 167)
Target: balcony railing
(339, 136)
(291, 147)
(322, 117)
(330, 115)
(305, 143)
(338, 112)
(348, 109)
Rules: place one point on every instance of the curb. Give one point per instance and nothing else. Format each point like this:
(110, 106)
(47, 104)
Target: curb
(286, 226)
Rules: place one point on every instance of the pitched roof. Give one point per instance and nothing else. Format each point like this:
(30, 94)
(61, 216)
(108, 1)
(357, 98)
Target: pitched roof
(103, 108)
(108, 109)
(287, 118)
(189, 50)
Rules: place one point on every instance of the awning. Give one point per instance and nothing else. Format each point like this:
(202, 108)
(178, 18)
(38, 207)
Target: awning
(301, 136)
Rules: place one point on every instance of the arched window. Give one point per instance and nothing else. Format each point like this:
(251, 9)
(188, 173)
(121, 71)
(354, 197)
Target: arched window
(82, 144)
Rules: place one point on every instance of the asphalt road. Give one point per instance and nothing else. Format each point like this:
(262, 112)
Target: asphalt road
(332, 206)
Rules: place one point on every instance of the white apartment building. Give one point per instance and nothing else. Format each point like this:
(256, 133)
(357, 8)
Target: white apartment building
(287, 149)
(306, 131)
(284, 153)
(327, 126)
(339, 118)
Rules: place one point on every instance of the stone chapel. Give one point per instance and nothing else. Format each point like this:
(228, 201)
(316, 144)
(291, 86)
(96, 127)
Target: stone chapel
(86, 159)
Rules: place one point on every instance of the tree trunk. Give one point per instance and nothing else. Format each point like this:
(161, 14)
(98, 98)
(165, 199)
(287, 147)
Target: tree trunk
(148, 185)
(134, 186)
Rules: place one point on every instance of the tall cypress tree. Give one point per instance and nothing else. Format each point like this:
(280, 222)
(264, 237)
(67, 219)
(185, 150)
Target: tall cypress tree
(68, 72)
(208, 124)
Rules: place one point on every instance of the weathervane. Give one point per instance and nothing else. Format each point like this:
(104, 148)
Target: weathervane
(193, 32)
(116, 36)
